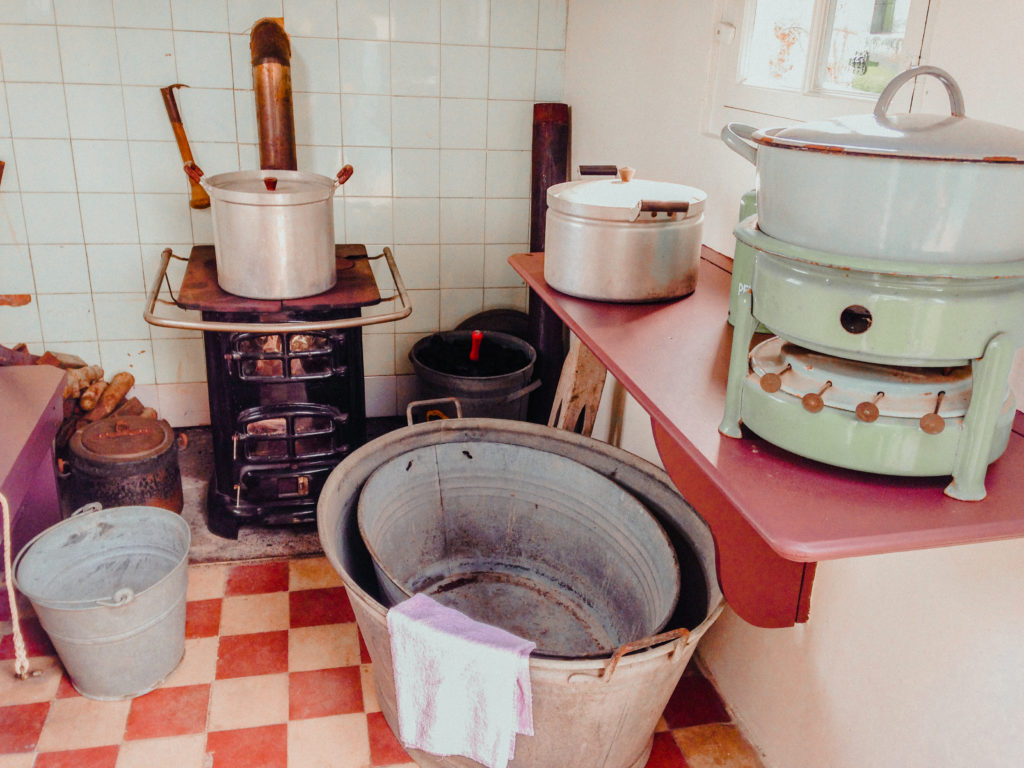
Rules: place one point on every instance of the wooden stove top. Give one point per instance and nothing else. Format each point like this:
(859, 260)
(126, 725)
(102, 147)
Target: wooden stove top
(356, 286)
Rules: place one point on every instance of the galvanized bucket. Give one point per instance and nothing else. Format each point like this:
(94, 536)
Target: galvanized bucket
(587, 712)
(527, 540)
(108, 586)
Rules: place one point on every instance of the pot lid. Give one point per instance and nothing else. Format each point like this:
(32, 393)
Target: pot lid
(252, 188)
(123, 439)
(626, 199)
(928, 137)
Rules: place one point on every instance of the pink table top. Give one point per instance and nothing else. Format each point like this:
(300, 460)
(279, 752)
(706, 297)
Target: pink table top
(674, 357)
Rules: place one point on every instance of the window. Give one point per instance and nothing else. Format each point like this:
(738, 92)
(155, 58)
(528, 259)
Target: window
(808, 59)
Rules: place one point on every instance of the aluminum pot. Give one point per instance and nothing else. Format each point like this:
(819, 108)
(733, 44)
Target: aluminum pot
(273, 231)
(909, 187)
(623, 239)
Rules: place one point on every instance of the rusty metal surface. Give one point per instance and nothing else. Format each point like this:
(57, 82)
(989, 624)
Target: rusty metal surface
(127, 438)
(356, 286)
(272, 86)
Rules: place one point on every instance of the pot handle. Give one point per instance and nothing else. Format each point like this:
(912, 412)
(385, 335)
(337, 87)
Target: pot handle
(654, 207)
(343, 175)
(195, 174)
(956, 96)
(737, 137)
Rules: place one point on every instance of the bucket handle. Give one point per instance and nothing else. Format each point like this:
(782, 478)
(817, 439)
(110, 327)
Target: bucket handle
(511, 397)
(123, 596)
(85, 509)
(437, 400)
(680, 636)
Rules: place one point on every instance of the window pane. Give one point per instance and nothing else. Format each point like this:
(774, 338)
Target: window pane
(776, 52)
(862, 53)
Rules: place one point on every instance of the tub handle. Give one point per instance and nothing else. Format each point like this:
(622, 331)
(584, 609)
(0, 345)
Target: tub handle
(654, 207)
(956, 96)
(736, 136)
(195, 175)
(85, 509)
(680, 635)
(123, 596)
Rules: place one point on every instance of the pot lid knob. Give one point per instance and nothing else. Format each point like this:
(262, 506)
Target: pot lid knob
(626, 173)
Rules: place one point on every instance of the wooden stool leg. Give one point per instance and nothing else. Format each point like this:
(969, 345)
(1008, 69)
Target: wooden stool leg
(579, 390)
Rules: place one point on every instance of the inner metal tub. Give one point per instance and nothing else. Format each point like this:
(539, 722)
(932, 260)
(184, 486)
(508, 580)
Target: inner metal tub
(611, 714)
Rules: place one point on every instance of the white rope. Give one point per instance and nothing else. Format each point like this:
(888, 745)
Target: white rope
(20, 652)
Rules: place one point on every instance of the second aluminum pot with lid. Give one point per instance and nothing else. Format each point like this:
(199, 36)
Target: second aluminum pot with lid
(623, 239)
(907, 187)
(273, 231)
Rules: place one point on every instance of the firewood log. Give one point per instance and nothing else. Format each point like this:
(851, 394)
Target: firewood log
(80, 378)
(91, 396)
(115, 392)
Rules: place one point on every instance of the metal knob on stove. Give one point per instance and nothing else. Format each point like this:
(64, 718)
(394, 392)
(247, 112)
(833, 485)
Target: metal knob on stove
(868, 411)
(932, 423)
(812, 401)
(772, 382)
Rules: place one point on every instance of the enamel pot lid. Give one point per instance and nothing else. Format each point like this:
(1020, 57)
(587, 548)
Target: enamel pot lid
(626, 199)
(953, 137)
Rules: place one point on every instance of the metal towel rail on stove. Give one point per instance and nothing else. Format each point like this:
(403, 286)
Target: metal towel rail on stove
(285, 327)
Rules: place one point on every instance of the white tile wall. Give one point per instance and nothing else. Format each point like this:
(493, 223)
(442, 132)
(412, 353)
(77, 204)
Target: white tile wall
(430, 100)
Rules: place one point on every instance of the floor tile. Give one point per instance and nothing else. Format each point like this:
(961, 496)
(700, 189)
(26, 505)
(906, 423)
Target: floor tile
(265, 747)
(199, 664)
(206, 582)
(65, 690)
(364, 652)
(245, 614)
(170, 752)
(94, 757)
(20, 760)
(370, 703)
(41, 687)
(716, 744)
(37, 642)
(254, 578)
(312, 573)
(168, 712)
(329, 742)
(21, 725)
(665, 754)
(263, 653)
(324, 692)
(310, 607)
(248, 702)
(323, 647)
(202, 618)
(695, 702)
(78, 723)
(385, 748)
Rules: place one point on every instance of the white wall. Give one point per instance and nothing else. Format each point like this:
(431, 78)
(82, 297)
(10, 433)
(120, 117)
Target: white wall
(910, 659)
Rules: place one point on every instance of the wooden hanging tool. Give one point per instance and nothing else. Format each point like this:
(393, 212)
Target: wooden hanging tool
(198, 197)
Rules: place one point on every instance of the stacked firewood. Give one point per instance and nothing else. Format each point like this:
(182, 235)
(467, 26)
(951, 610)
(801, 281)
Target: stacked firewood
(88, 395)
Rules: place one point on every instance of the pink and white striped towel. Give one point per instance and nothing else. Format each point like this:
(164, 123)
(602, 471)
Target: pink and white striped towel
(463, 687)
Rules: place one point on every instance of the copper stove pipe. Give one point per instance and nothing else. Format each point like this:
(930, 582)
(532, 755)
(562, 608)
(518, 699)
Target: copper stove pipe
(272, 84)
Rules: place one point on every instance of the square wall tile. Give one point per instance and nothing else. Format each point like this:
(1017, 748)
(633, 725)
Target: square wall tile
(512, 298)
(11, 213)
(498, 273)
(426, 312)
(508, 221)
(315, 64)
(415, 122)
(366, 120)
(243, 13)
(52, 217)
(95, 111)
(135, 357)
(464, 71)
(45, 165)
(178, 360)
(464, 123)
(16, 270)
(404, 342)
(108, 218)
(509, 125)
(364, 19)
(416, 220)
(201, 15)
(146, 117)
(550, 76)
(26, 12)
(203, 59)
(514, 23)
(37, 111)
(89, 55)
(509, 173)
(119, 316)
(416, 20)
(241, 57)
(372, 174)
(30, 54)
(458, 304)
(60, 268)
(419, 267)
(415, 69)
(463, 172)
(311, 18)
(462, 266)
(115, 268)
(462, 221)
(213, 112)
(146, 57)
(551, 24)
(163, 219)
(466, 22)
(151, 14)
(89, 13)
(369, 220)
(380, 396)
(365, 67)
(416, 172)
(512, 73)
(101, 166)
(156, 167)
(379, 354)
(317, 118)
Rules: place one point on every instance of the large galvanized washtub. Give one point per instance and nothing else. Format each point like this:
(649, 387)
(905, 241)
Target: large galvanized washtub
(585, 713)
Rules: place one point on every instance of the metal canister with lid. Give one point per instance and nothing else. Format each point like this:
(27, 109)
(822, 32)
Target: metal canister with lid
(124, 461)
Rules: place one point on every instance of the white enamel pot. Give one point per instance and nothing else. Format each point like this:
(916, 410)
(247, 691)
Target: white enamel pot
(910, 187)
(273, 231)
(623, 239)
